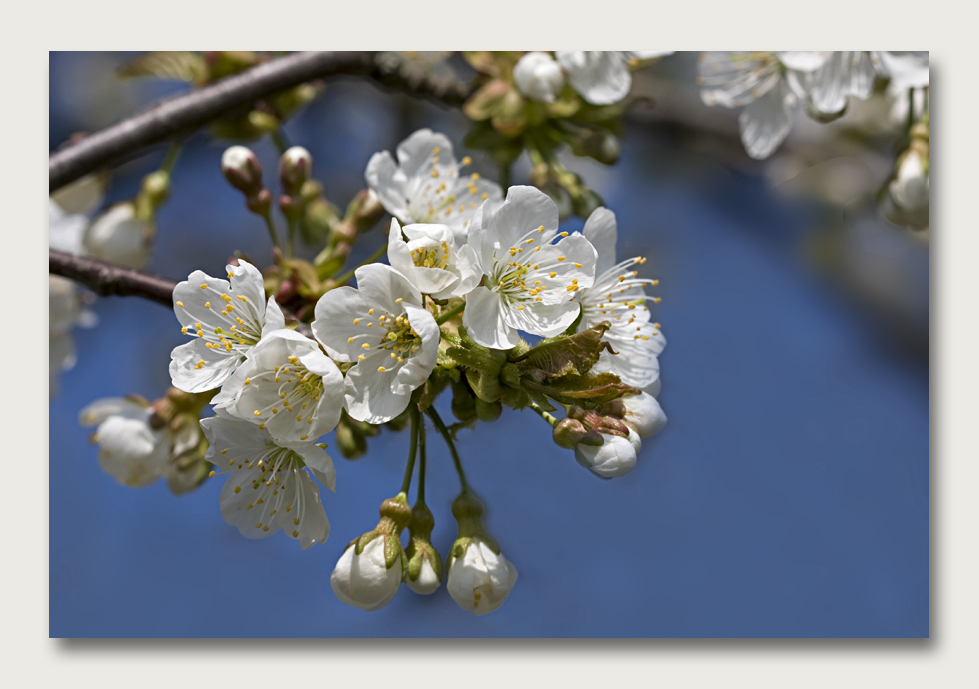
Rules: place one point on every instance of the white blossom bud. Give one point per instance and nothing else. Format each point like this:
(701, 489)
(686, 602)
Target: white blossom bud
(130, 449)
(364, 581)
(118, 236)
(539, 76)
(616, 457)
(643, 413)
(428, 579)
(479, 580)
(241, 168)
(295, 167)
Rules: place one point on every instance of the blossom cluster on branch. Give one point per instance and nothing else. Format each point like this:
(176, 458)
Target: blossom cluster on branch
(483, 295)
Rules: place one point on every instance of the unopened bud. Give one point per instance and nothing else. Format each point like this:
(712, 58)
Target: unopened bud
(241, 168)
(156, 188)
(463, 402)
(539, 76)
(365, 210)
(569, 433)
(262, 121)
(488, 412)
(615, 457)
(351, 445)
(295, 167)
(260, 203)
(424, 572)
(370, 570)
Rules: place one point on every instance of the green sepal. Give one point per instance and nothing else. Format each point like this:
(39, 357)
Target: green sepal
(179, 65)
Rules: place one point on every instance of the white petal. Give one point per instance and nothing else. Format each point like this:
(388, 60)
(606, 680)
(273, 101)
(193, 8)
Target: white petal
(319, 461)
(381, 286)
(188, 374)
(368, 392)
(421, 363)
(389, 183)
(765, 123)
(804, 61)
(485, 320)
(600, 77)
(415, 152)
(601, 230)
(334, 324)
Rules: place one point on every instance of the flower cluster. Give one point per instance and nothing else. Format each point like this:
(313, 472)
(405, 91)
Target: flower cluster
(771, 85)
(469, 274)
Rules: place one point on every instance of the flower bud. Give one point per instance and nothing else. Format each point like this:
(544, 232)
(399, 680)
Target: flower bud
(616, 457)
(352, 445)
(904, 200)
(364, 210)
(241, 168)
(569, 433)
(118, 236)
(295, 167)
(643, 413)
(479, 578)
(487, 412)
(424, 572)
(539, 76)
(260, 203)
(370, 570)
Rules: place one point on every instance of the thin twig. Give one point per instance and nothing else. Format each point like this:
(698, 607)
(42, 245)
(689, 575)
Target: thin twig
(183, 114)
(108, 279)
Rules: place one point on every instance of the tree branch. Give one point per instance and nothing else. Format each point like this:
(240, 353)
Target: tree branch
(107, 279)
(185, 113)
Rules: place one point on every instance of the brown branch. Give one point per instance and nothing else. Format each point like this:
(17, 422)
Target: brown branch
(181, 115)
(107, 279)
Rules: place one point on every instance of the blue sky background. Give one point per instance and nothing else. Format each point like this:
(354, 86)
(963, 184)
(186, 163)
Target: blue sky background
(787, 497)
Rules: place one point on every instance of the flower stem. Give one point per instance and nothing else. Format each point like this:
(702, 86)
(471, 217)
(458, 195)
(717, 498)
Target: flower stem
(550, 418)
(451, 313)
(505, 177)
(171, 158)
(272, 233)
(343, 279)
(421, 456)
(440, 427)
(412, 451)
(292, 237)
(279, 139)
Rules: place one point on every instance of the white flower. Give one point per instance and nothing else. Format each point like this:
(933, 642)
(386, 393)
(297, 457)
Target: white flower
(130, 450)
(905, 201)
(906, 69)
(424, 186)
(65, 230)
(287, 386)
(538, 76)
(617, 296)
(643, 413)
(118, 236)
(268, 489)
(769, 87)
(427, 582)
(529, 283)
(431, 260)
(602, 77)
(384, 329)
(614, 458)
(65, 311)
(480, 580)
(364, 581)
(225, 319)
(83, 195)
(844, 73)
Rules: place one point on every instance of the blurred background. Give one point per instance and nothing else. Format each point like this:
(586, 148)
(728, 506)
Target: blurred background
(787, 496)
